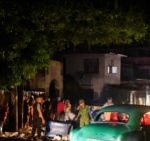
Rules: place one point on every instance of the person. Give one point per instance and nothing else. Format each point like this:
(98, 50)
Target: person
(60, 107)
(47, 109)
(108, 102)
(107, 115)
(69, 115)
(83, 113)
(3, 115)
(38, 118)
(30, 111)
(25, 111)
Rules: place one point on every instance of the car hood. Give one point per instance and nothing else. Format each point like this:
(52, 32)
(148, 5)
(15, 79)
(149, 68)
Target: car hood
(102, 131)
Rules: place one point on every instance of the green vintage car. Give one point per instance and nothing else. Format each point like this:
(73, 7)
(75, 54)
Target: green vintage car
(116, 123)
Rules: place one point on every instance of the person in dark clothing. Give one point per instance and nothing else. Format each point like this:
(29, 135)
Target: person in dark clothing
(53, 109)
(38, 118)
(30, 109)
(25, 110)
(3, 116)
(47, 109)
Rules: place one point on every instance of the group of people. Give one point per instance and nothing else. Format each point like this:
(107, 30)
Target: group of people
(38, 111)
(41, 111)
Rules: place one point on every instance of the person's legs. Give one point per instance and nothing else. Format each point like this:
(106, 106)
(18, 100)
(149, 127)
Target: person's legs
(34, 127)
(39, 132)
(81, 122)
(84, 121)
(39, 126)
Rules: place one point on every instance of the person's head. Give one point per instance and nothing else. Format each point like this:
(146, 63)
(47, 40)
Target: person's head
(58, 98)
(109, 100)
(67, 101)
(81, 102)
(47, 99)
(25, 98)
(40, 99)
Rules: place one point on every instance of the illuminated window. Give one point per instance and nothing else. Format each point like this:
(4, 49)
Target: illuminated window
(112, 69)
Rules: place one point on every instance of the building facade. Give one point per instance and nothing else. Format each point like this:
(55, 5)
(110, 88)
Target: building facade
(93, 71)
(49, 81)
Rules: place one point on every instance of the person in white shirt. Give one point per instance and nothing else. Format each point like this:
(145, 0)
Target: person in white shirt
(108, 102)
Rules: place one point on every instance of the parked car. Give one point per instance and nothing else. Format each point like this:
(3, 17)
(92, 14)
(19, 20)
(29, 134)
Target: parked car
(116, 123)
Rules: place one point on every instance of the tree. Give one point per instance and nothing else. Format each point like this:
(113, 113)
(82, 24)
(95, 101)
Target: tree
(24, 46)
(32, 31)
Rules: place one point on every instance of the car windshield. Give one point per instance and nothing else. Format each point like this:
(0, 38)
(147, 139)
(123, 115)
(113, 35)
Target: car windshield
(112, 117)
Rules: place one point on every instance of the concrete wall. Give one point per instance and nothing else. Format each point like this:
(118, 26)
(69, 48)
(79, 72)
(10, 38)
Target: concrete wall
(43, 80)
(112, 60)
(75, 67)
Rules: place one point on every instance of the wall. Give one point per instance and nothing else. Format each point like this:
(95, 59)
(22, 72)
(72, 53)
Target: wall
(74, 66)
(43, 80)
(112, 60)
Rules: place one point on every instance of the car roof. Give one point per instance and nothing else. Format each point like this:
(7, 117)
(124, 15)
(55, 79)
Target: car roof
(127, 108)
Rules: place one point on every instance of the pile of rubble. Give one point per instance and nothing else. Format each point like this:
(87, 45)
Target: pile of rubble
(22, 133)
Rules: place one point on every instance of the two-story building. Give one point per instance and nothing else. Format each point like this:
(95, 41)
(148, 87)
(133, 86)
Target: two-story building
(93, 71)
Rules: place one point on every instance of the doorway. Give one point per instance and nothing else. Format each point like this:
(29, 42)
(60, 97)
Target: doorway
(53, 90)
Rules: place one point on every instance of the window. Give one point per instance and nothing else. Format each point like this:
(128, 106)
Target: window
(112, 69)
(91, 65)
(112, 117)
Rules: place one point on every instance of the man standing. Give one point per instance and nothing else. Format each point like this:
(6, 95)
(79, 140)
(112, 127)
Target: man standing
(47, 109)
(38, 118)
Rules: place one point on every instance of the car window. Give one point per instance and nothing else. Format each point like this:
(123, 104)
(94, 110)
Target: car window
(112, 117)
(145, 120)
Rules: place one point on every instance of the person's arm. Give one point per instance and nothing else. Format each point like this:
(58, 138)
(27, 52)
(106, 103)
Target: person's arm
(40, 113)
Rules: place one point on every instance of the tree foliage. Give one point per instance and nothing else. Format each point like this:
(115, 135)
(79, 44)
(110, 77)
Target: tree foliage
(24, 48)
(31, 31)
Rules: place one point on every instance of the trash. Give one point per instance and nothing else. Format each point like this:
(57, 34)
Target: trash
(11, 134)
(57, 137)
(65, 138)
(22, 135)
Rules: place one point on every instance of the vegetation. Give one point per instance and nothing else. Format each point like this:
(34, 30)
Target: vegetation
(32, 31)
